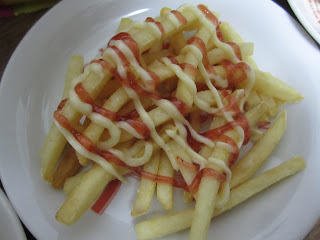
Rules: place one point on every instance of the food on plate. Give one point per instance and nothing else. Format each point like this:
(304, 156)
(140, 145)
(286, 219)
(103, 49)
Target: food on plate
(169, 101)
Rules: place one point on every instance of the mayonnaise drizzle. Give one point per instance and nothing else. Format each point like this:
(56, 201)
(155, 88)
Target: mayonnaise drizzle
(114, 129)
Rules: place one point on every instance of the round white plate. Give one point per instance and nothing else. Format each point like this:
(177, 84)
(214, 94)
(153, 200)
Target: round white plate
(10, 226)
(32, 85)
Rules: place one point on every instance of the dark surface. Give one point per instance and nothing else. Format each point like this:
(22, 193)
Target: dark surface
(12, 31)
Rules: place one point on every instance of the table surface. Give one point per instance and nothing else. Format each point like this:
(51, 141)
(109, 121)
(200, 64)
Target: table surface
(13, 29)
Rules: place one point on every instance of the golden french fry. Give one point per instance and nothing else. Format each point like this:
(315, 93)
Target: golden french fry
(276, 88)
(252, 161)
(85, 193)
(165, 190)
(68, 167)
(256, 134)
(55, 141)
(177, 42)
(273, 105)
(255, 114)
(124, 24)
(146, 188)
(75, 68)
(187, 197)
(229, 34)
(206, 196)
(71, 182)
(209, 186)
(181, 220)
(253, 100)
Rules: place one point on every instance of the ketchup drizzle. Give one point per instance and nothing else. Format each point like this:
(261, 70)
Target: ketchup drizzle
(159, 25)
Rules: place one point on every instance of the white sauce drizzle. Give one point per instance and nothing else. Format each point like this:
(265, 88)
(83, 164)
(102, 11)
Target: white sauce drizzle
(84, 152)
(164, 104)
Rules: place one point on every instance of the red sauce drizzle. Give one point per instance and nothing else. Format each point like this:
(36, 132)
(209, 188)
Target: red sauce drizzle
(217, 134)
(180, 17)
(208, 172)
(62, 104)
(165, 45)
(129, 41)
(189, 68)
(209, 15)
(202, 47)
(181, 106)
(240, 120)
(264, 125)
(159, 25)
(236, 72)
(138, 125)
(106, 196)
(236, 49)
(219, 34)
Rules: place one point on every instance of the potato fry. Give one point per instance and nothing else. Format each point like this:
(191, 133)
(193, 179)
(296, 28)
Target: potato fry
(124, 24)
(209, 186)
(85, 193)
(276, 88)
(165, 190)
(71, 183)
(253, 100)
(256, 134)
(50, 152)
(75, 68)
(181, 220)
(251, 162)
(229, 34)
(206, 196)
(68, 166)
(146, 188)
(273, 105)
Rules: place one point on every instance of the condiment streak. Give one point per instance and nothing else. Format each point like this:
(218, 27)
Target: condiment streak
(138, 82)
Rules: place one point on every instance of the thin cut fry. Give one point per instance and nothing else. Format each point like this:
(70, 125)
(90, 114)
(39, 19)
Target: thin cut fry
(68, 166)
(71, 183)
(276, 88)
(55, 141)
(85, 193)
(146, 188)
(251, 162)
(165, 190)
(178, 221)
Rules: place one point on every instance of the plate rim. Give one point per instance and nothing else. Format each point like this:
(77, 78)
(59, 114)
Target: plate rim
(304, 21)
(12, 216)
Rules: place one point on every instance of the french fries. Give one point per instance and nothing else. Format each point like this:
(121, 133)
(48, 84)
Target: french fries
(55, 141)
(252, 161)
(147, 188)
(165, 190)
(178, 221)
(174, 111)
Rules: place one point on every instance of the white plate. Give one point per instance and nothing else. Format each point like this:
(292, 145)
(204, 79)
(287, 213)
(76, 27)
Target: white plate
(10, 226)
(308, 13)
(33, 82)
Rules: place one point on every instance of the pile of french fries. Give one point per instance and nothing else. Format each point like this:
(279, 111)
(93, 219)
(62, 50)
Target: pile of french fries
(165, 49)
